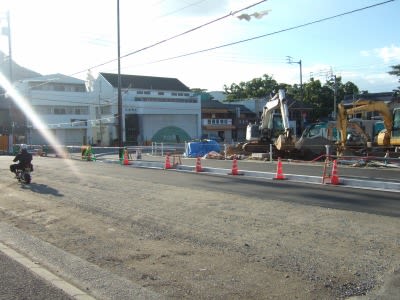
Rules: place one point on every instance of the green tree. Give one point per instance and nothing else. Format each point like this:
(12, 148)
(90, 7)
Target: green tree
(396, 72)
(257, 87)
(320, 97)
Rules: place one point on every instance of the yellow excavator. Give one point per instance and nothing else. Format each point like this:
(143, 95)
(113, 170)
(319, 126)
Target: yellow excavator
(387, 138)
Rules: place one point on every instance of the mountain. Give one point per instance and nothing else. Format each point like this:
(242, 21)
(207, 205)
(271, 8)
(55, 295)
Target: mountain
(18, 72)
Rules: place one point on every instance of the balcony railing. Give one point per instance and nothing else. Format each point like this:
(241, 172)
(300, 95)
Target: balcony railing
(216, 122)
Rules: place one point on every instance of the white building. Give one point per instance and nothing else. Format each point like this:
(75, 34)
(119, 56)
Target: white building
(64, 107)
(155, 109)
(256, 105)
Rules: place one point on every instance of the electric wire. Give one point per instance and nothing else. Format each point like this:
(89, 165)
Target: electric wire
(273, 33)
(182, 8)
(173, 37)
(233, 43)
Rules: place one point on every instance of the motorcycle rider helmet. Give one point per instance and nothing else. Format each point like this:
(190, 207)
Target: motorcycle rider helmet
(23, 148)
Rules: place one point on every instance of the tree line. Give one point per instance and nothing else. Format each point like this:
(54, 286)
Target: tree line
(315, 93)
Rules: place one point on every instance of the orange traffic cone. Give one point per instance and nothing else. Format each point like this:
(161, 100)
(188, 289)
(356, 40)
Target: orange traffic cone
(335, 176)
(235, 169)
(279, 174)
(198, 165)
(126, 159)
(167, 164)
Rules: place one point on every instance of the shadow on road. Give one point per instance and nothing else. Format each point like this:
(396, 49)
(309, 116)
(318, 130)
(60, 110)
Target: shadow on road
(42, 189)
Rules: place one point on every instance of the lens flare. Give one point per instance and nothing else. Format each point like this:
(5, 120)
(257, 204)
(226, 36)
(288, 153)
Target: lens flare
(25, 107)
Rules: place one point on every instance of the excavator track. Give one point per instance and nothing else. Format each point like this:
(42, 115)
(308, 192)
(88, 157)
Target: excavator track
(254, 147)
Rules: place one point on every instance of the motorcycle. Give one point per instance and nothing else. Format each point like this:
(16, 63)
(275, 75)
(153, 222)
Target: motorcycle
(24, 175)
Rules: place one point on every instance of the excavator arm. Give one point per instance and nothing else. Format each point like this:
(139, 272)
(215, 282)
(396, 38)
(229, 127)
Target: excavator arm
(363, 105)
(274, 128)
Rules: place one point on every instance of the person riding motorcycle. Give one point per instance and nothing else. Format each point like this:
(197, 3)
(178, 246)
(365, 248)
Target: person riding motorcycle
(24, 158)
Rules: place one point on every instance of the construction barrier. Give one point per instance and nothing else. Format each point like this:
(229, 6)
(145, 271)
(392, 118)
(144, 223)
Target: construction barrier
(332, 178)
(88, 153)
(325, 175)
(176, 160)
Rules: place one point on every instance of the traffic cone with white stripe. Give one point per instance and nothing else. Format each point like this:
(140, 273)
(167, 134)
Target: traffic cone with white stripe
(199, 168)
(126, 158)
(167, 164)
(279, 174)
(335, 176)
(235, 169)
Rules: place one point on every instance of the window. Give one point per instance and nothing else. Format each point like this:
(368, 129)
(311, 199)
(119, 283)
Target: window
(44, 110)
(161, 93)
(176, 100)
(59, 111)
(59, 87)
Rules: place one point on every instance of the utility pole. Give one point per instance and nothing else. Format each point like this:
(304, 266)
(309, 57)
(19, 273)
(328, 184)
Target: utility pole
(290, 61)
(334, 89)
(9, 45)
(120, 121)
(7, 31)
(334, 97)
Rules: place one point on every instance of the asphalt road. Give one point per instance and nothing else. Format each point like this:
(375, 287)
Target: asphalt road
(18, 279)
(338, 197)
(17, 282)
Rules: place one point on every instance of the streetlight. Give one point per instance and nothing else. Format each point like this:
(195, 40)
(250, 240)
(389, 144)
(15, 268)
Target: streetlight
(290, 61)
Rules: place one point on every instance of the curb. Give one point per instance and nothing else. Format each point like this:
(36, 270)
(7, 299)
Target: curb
(344, 182)
(82, 274)
(56, 281)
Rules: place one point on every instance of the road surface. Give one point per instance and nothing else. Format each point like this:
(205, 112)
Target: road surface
(171, 234)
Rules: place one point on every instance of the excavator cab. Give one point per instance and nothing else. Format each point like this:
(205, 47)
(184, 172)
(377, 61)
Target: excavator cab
(273, 129)
(395, 140)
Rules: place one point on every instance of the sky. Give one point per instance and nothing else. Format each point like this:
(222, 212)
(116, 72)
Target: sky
(157, 38)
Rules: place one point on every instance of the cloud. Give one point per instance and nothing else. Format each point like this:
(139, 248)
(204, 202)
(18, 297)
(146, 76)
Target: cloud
(365, 53)
(387, 54)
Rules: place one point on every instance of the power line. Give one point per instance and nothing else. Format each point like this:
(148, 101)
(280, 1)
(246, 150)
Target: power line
(182, 8)
(173, 37)
(167, 39)
(274, 33)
